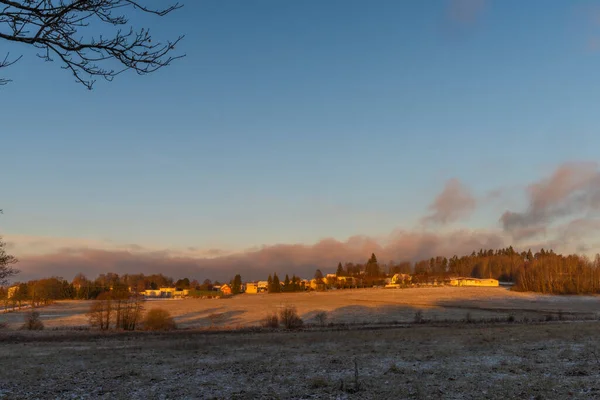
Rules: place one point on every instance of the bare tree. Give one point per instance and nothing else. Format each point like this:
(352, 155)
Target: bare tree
(101, 312)
(6, 260)
(64, 30)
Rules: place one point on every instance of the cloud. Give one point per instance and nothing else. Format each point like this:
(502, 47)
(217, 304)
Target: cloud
(465, 11)
(453, 203)
(39, 245)
(563, 213)
(257, 264)
(573, 189)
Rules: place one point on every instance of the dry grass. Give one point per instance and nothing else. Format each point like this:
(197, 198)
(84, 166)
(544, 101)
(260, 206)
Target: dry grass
(343, 307)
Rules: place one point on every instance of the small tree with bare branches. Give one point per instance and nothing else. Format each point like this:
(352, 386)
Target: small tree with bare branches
(65, 30)
(6, 262)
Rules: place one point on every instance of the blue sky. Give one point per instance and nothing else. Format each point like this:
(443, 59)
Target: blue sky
(292, 121)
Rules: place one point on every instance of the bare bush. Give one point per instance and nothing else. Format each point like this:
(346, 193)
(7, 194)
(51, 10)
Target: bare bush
(129, 312)
(101, 310)
(468, 318)
(120, 310)
(215, 318)
(288, 316)
(318, 383)
(159, 319)
(33, 322)
(270, 321)
(321, 318)
(419, 317)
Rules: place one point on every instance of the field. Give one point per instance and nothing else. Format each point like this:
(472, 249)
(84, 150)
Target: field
(553, 360)
(445, 358)
(344, 306)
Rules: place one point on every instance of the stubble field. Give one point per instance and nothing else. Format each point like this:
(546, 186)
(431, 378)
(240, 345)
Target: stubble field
(343, 307)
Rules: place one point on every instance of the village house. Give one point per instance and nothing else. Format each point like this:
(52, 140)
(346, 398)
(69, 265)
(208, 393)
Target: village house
(330, 279)
(257, 287)
(225, 289)
(251, 288)
(316, 285)
(11, 291)
(401, 279)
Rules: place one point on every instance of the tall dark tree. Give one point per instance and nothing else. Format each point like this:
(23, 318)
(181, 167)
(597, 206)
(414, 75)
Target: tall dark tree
(286, 284)
(529, 255)
(183, 283)
(6, 263)
(236, 284)
(340, 270)
(276, 284)
(372, 267)
(319, 276)
(86, 37)
(270, 283)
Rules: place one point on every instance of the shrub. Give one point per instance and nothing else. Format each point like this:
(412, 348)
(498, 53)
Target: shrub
(33, 322)
(270, 321)
(288, 316)
(215, 318)
(159, 319)
(318, 382)
(419, 317)
(511, 318)
(321, 318)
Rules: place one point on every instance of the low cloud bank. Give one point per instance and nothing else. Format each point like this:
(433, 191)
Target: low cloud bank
(563, 213)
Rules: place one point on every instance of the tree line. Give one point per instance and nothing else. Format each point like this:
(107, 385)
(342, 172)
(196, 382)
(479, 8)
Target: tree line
(543, 271)
(44, 291)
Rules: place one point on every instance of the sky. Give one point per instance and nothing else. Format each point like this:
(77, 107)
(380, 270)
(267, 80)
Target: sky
(296, 134)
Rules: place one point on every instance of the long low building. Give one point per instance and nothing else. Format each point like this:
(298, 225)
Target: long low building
(472, 282)
(166, 292)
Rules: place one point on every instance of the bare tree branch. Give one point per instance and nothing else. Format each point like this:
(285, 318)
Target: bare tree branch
(6, 260)
(61, 30)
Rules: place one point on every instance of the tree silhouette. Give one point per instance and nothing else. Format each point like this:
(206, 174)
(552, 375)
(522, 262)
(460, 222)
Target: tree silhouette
(286, 284)
(319, 276)
(340, 270)
(6, 262)
(276, 284)
(372, 267)
(61, 30)
(236, 285)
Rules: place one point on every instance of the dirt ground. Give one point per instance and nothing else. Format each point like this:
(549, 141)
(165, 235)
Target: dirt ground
(342, 306)
(554, 360)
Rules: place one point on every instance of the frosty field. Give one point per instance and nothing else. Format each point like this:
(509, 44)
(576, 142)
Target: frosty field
(373, 350)
(554, 360)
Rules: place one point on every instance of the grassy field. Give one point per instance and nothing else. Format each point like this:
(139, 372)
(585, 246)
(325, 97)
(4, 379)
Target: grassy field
(555, 360)
(343, 306)
(445, 358)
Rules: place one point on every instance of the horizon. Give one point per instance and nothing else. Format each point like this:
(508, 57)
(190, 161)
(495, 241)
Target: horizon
(295, 136)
